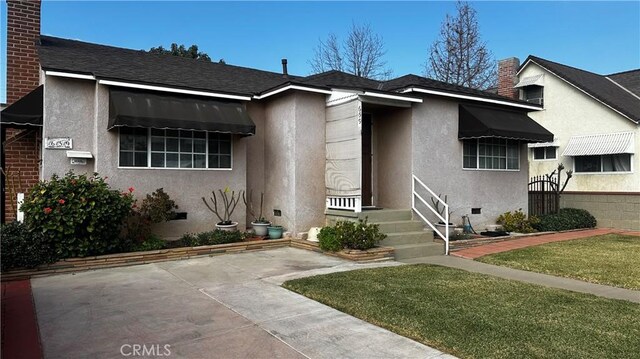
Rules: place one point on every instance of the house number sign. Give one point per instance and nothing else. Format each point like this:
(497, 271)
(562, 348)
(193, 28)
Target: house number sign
(58, 143)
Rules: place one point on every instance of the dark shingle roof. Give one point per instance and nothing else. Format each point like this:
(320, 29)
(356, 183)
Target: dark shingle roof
(140, 66)
(595, 85)
(628, 79)
(108, 62)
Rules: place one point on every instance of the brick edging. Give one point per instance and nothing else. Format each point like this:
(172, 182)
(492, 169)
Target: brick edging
(72, 265)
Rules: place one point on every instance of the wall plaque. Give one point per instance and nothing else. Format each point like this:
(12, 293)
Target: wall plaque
(58, 143)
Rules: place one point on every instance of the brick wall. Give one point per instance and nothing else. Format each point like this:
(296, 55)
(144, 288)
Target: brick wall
(507, 78)
(21, 146)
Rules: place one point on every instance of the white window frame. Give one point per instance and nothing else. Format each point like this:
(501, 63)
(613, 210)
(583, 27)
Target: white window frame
(631, 167)
(491, 169)
(148, 167)
(533, 154)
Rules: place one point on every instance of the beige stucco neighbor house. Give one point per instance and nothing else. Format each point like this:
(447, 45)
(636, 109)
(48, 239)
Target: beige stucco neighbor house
(595, 120)
(314, 143)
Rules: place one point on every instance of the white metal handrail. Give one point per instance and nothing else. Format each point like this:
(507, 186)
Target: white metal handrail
(445, 219)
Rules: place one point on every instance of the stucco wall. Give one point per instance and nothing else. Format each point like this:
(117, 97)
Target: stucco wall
(437, 161)
(294, 160)
(79, 109)
(569, 112)
(256, 159)
(392, 157)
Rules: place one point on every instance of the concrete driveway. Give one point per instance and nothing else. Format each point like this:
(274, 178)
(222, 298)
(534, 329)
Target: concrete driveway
(229, 306)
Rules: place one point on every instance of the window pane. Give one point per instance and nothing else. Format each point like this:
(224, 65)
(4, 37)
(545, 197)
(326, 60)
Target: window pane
(512, 164)
(157, 159)
(225, 147)
(186, 134)
(482, 162)
(126, 159)
(214, 161)
(185, 161)
(172, 160)
(156, 132)
(199, 146)
(225, 161)
(199, 161)
(538, 153)
(587, 163)
(126, 142)
(140, 159)
(550, 153)
(186, 145)
(157, 143)
(172, 133)
(141, 142)
(172, 145)
(199, 134)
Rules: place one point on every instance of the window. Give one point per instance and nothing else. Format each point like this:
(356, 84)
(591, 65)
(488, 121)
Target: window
(605, 163)
(544, 153)
(533, 93)
(491, 154)
(152, 148)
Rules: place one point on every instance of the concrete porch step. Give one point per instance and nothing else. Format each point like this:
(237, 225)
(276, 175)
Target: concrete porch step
(374, 216)
(400, 226)
(408, 251)
(417, 237)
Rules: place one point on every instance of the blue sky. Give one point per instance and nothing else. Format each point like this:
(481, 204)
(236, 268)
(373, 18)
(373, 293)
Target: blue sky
(603, 37)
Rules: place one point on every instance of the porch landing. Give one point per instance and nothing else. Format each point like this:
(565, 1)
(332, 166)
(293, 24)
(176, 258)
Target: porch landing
(407, 236)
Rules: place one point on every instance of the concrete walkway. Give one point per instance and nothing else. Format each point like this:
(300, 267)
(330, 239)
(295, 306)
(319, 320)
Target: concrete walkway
(522, 242)
(229, 306)
(535, 278)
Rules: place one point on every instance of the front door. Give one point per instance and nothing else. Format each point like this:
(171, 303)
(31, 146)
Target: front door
(367, 157)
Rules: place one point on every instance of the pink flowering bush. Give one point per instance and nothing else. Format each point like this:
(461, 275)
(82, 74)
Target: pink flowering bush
(78, 215)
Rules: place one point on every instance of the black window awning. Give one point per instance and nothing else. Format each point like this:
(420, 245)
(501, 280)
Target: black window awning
(164, 111)
(27, 111)
(481, 121)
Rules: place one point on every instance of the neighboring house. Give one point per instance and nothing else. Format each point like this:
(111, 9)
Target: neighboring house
(331, 140)
(596, 122)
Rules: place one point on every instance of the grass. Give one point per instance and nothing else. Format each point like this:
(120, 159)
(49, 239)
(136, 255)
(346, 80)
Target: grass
(610, 259)
(478, 316)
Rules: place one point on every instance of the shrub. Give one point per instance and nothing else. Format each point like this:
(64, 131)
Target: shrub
(156, 208)
(517, 222)
(22, 248)
(566, 219)
(328, 239)
(209, 238)
(353, 235)
(80, 215)
(152, 243)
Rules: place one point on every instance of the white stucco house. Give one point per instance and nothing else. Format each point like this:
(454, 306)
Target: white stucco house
(595, 120)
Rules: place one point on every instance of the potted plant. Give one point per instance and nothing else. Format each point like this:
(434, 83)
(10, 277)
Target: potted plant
(229, 203)
(259, 223)
(441, 225)
(275, 231)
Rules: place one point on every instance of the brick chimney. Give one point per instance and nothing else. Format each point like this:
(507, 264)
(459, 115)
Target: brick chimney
(20, 147)
(23, 30)
(507, 78)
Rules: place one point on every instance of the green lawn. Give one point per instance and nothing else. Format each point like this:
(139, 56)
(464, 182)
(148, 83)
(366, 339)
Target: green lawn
(478, 316)
(609, 259)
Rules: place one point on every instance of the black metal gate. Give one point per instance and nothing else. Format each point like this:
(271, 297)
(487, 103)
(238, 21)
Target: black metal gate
(543, 195)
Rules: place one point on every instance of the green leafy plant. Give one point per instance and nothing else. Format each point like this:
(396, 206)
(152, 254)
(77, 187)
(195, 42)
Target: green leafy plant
(152, 243)
(158, 207)
(517, 221)
(328, 239)
(229, 203)
(566, 219)
(80, 215)
(22, 248)
(209, 238)
(352, 235)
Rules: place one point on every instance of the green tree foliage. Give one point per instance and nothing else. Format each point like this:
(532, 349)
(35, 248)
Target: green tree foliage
(191, 52)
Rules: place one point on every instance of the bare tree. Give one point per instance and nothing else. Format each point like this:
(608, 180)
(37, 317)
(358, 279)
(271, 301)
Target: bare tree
(360, 54)
(459, 56)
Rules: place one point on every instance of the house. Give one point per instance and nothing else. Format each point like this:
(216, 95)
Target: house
(595, 120)
(310, 143)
